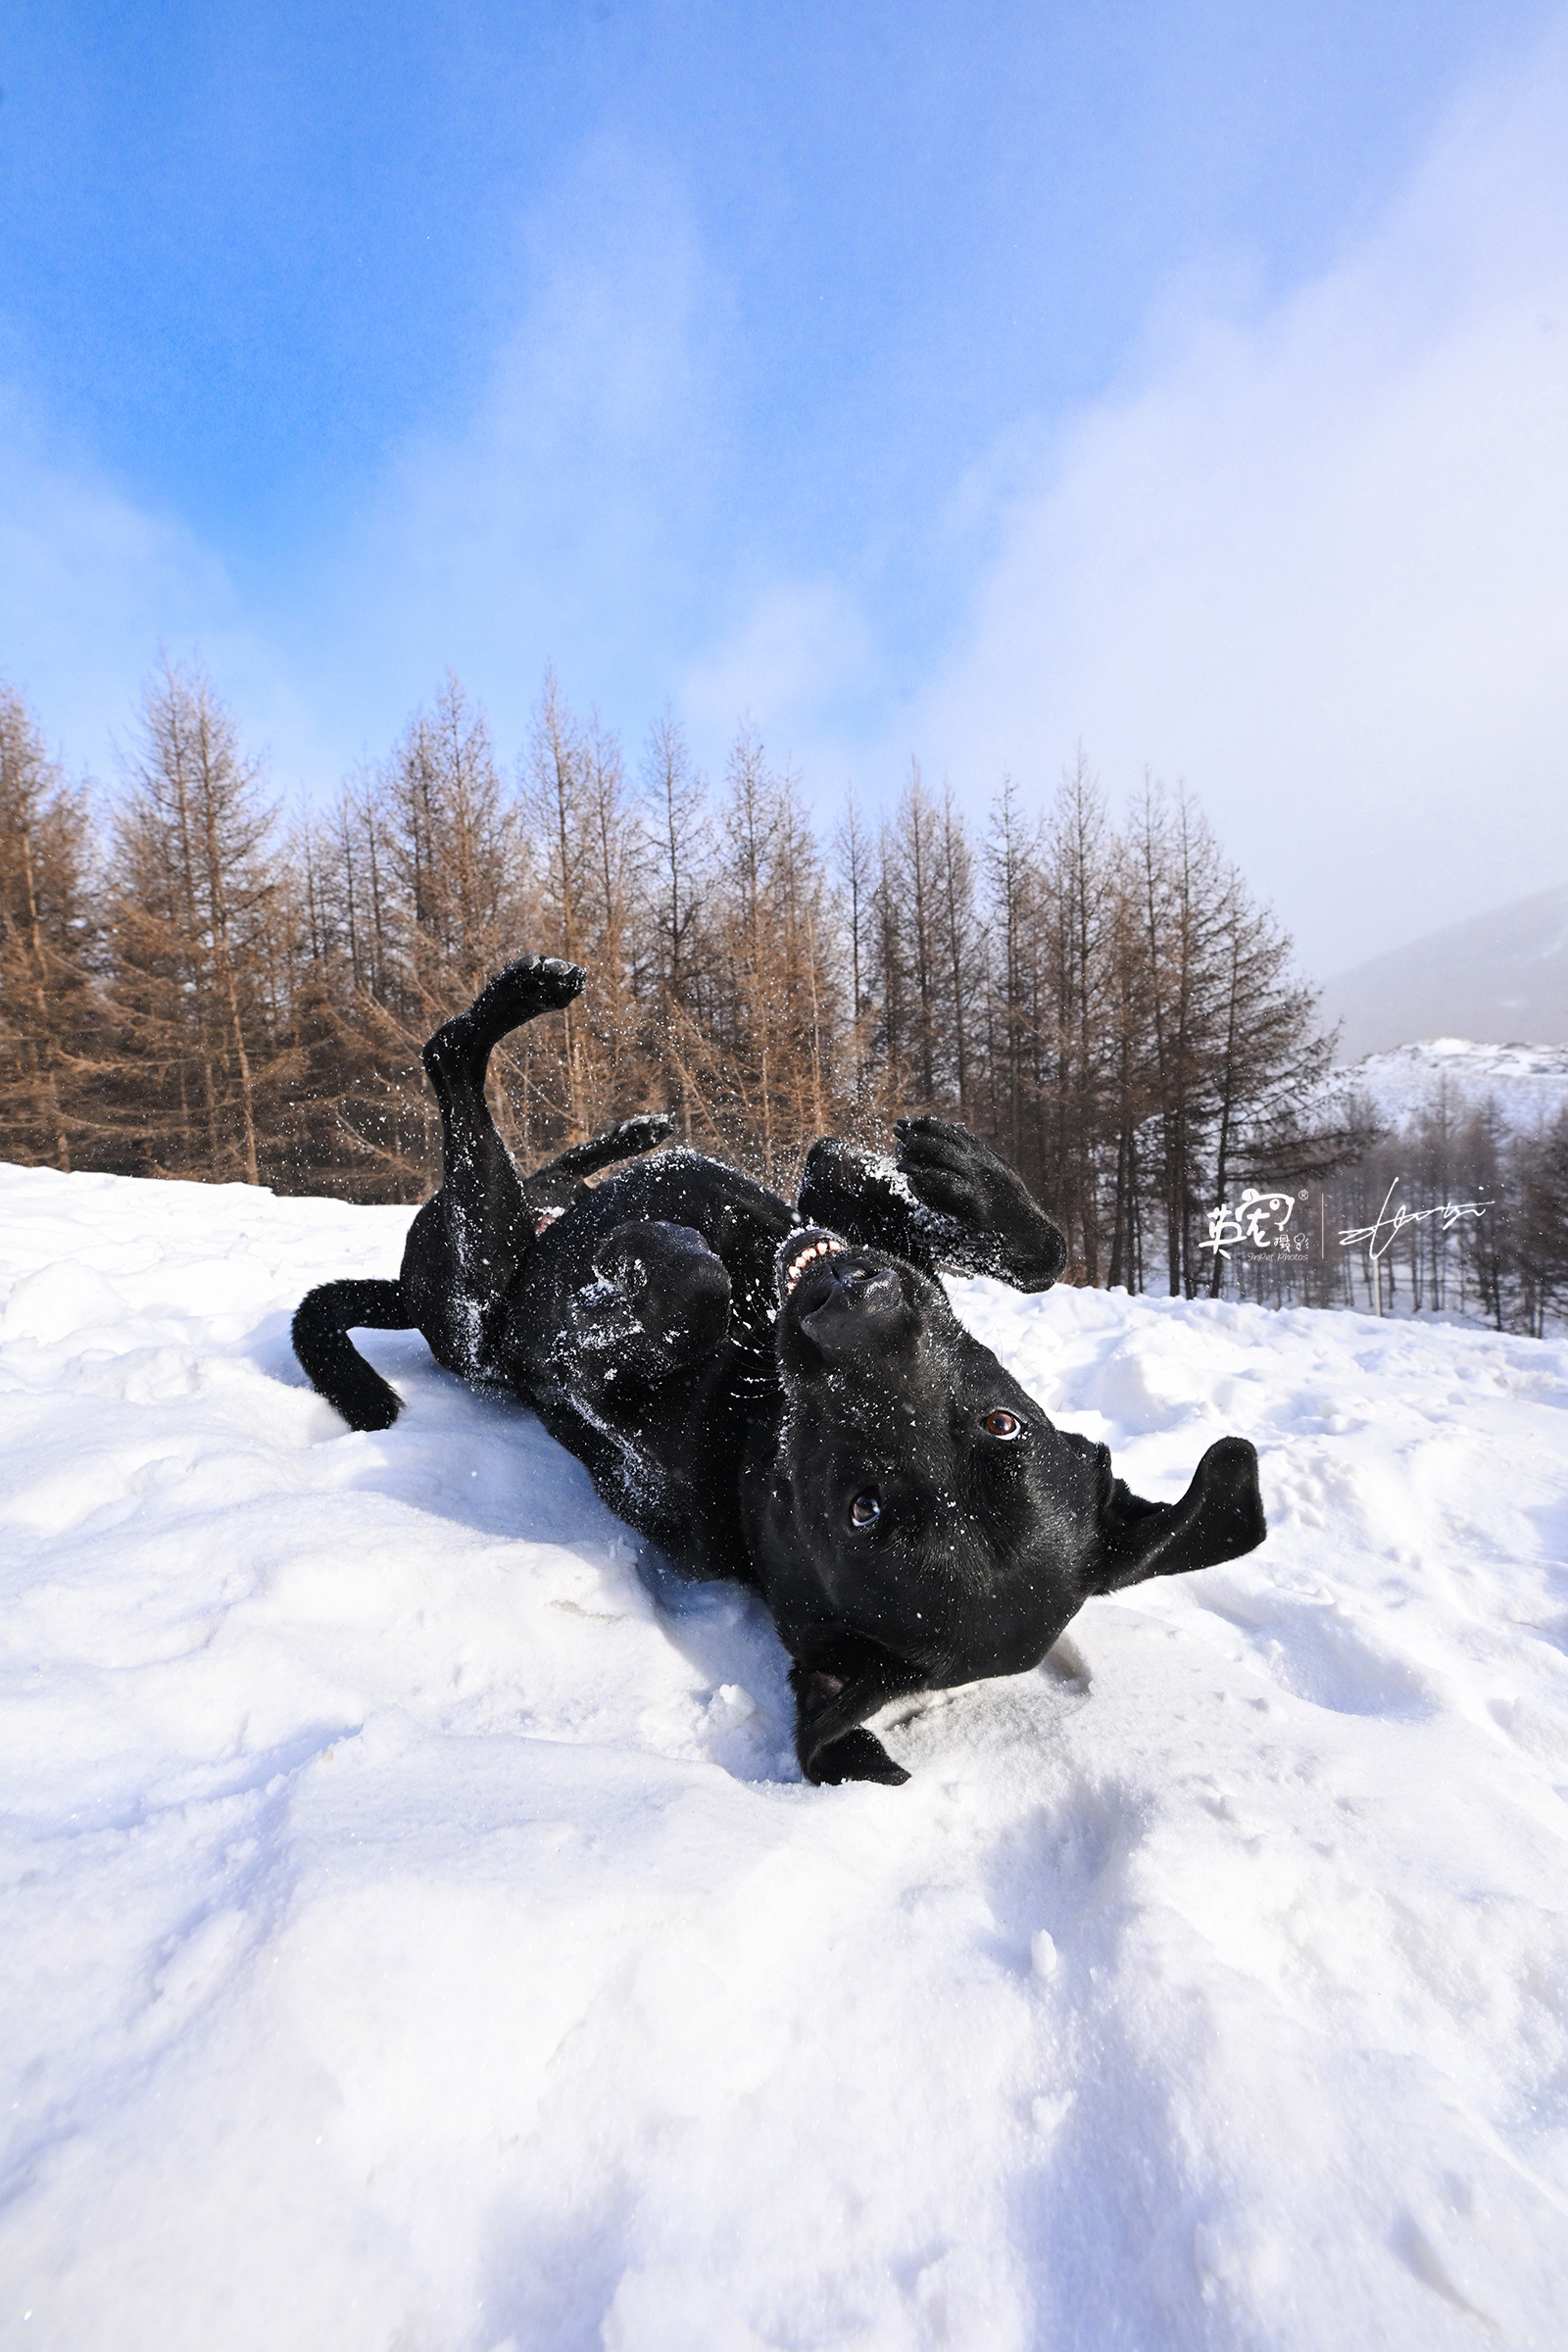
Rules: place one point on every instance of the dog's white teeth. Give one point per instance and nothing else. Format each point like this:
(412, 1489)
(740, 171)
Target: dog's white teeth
(808, 1256)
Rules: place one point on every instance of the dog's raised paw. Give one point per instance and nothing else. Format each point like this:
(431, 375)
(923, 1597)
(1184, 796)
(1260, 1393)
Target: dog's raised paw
(856, 1755)
(521, 991)
(642, 1133)
(551, 980)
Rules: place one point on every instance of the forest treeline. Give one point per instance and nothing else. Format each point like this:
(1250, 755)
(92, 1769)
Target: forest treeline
(1454, 1213)
(193, 984)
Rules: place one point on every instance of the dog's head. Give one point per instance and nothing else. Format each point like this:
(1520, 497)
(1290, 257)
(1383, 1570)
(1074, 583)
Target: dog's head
(917, 1495)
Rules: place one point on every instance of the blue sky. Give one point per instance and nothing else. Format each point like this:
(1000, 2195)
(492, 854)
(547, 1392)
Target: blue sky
(1185, 382)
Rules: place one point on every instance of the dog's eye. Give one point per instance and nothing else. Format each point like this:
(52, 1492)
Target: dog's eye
(1002, 1424)
(867, 1508)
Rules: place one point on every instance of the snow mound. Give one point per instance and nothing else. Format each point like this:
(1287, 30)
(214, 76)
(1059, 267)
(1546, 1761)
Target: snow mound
(418, 1932)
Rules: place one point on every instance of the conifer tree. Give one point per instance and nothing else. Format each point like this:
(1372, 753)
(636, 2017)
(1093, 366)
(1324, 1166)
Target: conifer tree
(48, 1009)
(192, 894)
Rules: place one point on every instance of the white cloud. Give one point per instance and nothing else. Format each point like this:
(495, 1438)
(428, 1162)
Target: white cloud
(91, 584)
(549, 524)
(1318, 561)
(84, 577)
(796, 646)
(557, 525)
(1314, 558)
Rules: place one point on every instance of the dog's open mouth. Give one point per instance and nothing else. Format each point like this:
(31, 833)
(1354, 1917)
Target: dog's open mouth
(804, 1255)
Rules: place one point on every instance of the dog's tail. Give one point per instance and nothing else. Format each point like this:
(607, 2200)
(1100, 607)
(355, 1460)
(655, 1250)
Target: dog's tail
(322, 1322)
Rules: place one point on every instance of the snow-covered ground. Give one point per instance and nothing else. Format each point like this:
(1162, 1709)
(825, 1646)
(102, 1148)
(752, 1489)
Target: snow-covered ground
(417, 1934)
(1527, 1083)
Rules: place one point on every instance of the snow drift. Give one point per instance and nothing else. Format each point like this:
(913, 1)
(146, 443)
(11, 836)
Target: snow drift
(418, 1936)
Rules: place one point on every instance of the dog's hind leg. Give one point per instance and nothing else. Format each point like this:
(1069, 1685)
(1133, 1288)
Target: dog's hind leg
(552, 1187)
(467, 1247)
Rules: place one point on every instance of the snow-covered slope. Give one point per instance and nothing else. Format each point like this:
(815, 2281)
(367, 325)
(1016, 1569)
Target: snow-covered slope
(1500, 975)
(416, 1933)
(1528, 1084)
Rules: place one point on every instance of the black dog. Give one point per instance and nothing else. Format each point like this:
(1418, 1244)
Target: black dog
(782, 1397)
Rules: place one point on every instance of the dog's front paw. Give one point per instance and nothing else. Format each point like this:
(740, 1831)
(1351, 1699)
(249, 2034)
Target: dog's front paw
(842, 1183)
(961, 1177)
(856, 1755)
(955, 1172)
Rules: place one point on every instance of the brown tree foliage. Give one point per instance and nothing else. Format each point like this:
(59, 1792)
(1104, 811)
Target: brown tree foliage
(209, 993)
(199, 991)
(50, 1015)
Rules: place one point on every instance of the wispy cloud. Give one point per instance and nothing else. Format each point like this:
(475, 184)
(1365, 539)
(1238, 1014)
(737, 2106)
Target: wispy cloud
(1314, 558)
(1310, 553)
(1317, 559)
(91, 585)
(561, 521)
(558, 520)
(795, 646)
(86, 580)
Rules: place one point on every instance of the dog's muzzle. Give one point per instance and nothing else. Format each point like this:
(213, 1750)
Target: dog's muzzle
(839, 1299)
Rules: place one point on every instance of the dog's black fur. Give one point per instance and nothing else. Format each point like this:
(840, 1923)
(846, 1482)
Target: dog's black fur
(782, 1397)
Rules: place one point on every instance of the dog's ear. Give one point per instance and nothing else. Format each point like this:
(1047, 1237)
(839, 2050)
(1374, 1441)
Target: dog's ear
(1218, 1518)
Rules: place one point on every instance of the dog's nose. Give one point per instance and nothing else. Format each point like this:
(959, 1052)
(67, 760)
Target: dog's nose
(862, 1311)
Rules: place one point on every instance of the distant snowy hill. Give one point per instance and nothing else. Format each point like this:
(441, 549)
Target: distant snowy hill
(1498, 978)
(416, 1932)
(1529, 1084)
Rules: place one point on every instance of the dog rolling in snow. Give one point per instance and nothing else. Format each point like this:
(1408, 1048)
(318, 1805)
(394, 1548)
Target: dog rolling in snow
(783, 1396)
